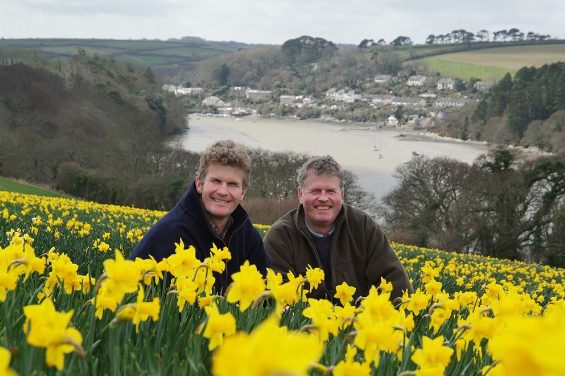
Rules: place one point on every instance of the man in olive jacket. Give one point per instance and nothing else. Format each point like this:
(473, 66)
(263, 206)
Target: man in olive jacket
(325, 232)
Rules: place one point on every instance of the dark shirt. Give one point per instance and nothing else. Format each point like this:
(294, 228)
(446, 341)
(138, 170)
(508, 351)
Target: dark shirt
(323, 246)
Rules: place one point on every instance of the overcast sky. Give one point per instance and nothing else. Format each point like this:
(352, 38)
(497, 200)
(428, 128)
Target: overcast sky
(274, 21)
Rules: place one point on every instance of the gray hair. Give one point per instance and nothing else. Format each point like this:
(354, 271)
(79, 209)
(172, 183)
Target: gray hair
(226, 153)
(321, 165)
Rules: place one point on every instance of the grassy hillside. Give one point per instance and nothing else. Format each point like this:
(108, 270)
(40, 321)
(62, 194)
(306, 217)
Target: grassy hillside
(494, 63)
(18, 187)
(164, 56)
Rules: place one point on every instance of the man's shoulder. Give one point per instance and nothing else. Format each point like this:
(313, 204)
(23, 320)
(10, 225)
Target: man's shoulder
(285, 224)
(356, 217)
(353, 213)
(287, 220)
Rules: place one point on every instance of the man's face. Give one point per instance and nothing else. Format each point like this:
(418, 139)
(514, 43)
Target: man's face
(222, 190)
(322, 198)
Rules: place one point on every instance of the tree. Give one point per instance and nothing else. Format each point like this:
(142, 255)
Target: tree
(366, 43)
(221, 74)
(431, 39)
(482, 35)
(401, 41)
(149, 75)
(306, 49)
(514, 33)
(428, 205)
(500, 35)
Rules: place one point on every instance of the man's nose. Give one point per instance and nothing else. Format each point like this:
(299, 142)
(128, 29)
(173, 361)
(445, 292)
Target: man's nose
(323, 196)
(223, 189)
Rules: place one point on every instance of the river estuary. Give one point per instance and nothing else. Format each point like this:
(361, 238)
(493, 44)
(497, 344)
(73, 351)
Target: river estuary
(352, 145)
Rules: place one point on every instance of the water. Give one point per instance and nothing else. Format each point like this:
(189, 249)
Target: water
(351, 144)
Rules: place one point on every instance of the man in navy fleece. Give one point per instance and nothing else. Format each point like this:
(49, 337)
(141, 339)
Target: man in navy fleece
(210, 213)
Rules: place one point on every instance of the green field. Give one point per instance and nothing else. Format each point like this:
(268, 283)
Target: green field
(153, 53)
(15, 186)
(493, 63)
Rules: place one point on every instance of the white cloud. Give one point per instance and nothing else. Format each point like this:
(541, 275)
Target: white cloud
(273, 21)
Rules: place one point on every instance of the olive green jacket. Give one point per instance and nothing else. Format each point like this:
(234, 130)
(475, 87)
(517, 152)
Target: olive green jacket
(360, 252)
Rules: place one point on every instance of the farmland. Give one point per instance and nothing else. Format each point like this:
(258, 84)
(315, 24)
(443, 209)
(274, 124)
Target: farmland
(493, 63)
(154, 53)
(62, 268)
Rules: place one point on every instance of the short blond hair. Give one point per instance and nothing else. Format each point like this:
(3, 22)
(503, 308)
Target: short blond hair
(226, 153)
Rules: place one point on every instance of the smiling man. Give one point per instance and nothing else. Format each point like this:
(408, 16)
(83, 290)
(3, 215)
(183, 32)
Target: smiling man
(210, 213)
(327, 233)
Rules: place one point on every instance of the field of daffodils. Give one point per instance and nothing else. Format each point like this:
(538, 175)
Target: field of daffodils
(71, 303)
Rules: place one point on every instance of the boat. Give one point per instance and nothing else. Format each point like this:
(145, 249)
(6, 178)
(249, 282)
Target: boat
(380, 147)
(375, 147)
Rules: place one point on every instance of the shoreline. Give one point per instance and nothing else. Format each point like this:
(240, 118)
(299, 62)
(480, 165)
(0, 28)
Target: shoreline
(371, 153)
(410, 133)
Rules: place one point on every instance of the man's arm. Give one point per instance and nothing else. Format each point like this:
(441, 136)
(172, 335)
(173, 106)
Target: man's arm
(257, 253)
(383, 262)
(279, 249)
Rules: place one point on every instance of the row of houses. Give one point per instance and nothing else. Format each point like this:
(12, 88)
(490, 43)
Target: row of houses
(419, 102)
(183, 91)
(445, 83)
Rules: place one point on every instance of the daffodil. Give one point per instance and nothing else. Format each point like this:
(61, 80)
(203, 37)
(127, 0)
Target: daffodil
(248, 284)
(8, 282)
(186, 292)
(433, 357)
(344, 293)
(121, 276)
(268, 350)
(218, 326)
(183, 261)
(418, 301)
(314, 276)
(323, 318)
(530, 345)
(5, 357)
(385, 287)
(349, 367)
(45, 327)
(273, 279)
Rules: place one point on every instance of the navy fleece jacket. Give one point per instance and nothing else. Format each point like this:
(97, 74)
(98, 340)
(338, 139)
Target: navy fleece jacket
(187, 220)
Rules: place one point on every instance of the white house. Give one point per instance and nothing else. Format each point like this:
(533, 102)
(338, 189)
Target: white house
(189, 91)
(169, 88)
(383, 78)
(483, 86)
(287, 99)
(392, 121)
(451, 102)
(237, 91)
(446, 83)
(258, 95)
(212, 101)
(417, 80)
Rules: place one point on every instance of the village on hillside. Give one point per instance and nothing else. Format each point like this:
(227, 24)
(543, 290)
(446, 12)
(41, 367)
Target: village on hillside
(421, 99)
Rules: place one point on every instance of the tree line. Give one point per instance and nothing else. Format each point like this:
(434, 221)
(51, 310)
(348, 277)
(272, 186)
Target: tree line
(500, 206)
(461, 36)
(532, 94)
(504, 35)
